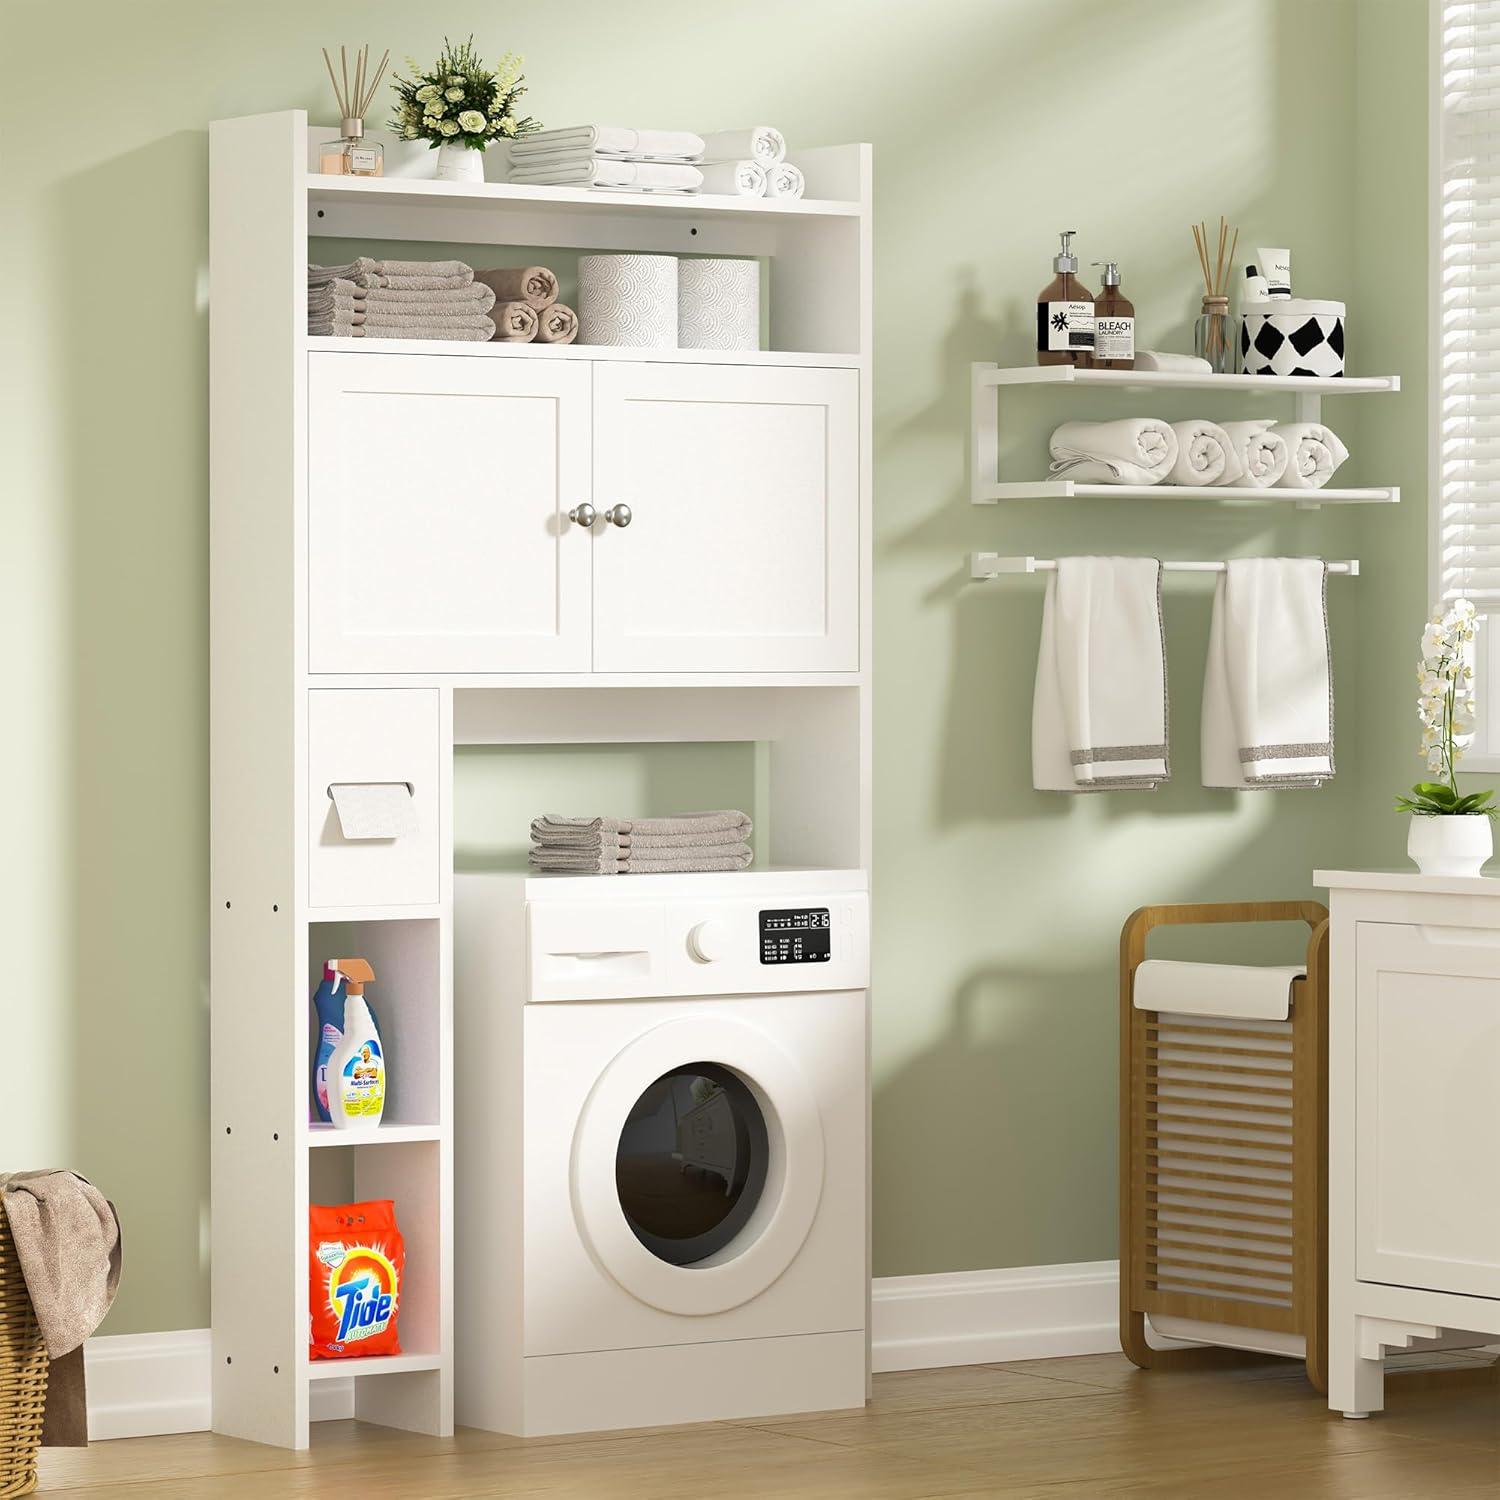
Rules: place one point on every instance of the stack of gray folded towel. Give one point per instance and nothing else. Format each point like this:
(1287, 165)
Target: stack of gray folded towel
(399, 299)
(690, 842)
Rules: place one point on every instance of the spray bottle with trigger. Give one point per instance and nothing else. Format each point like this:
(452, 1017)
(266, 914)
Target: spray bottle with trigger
(356, 1070)
(329, 1002)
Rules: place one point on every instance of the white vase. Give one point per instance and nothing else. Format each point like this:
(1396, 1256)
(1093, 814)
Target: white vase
(1450, 846)
(459, 163)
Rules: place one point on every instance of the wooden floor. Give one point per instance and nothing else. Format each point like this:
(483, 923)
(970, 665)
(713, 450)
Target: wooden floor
(1232, 1427)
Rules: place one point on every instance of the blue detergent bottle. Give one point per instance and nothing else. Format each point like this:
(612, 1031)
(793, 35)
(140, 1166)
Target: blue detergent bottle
(329, 1003)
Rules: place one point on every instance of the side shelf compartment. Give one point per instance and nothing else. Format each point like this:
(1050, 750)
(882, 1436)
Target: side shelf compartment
(366, 738)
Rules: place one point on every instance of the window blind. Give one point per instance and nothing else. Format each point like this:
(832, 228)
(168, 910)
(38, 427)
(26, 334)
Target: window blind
(1468, 270)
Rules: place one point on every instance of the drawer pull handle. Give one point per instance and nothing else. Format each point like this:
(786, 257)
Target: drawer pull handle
(369, 810)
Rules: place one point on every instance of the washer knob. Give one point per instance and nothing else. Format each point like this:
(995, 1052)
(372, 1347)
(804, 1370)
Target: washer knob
(709, 941)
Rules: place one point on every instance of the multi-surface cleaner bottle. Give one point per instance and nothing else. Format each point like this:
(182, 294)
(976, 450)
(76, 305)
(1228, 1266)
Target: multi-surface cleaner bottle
(356, 1071)
(1065, 313)
(341, 976)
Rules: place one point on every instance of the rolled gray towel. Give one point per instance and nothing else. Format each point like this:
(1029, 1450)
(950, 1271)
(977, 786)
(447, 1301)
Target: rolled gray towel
(515, 323)
(557, 324)
(534, 285)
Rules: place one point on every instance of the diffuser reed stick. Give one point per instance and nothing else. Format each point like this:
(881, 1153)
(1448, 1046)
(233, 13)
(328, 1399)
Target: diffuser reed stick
(1215, 319)
(355, 102)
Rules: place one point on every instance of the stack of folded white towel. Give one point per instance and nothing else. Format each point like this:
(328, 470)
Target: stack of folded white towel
(1099, 714)
(746, 163)
(1245, 455)
(399, 299)
(613, 158)
(687, 843)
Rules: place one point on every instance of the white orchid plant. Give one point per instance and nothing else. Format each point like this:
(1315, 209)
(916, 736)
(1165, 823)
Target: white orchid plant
(1445, 707)
(460, 101)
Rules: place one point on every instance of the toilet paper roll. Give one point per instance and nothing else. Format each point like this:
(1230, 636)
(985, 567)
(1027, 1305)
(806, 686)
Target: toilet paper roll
(718, 304)
(628, 300)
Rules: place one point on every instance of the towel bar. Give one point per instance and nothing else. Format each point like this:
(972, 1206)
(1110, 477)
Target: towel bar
(993, 565)
(1223, 1175)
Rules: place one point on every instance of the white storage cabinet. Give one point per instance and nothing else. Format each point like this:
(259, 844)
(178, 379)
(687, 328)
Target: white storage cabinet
(1414, 1122)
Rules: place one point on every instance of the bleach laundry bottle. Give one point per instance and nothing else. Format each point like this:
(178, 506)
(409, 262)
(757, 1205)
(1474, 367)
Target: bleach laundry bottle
(329, 1003)
(356, 1070)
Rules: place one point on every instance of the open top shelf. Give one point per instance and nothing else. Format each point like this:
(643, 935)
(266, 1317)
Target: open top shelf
(411, 192)
(1172, 380)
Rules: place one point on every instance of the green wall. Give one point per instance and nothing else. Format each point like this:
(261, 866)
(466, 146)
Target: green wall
(994, 125)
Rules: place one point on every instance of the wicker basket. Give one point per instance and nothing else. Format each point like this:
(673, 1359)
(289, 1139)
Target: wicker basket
(23, 1375)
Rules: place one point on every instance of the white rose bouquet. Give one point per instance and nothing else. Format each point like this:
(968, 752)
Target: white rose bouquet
(460, 101)
(1445, 707)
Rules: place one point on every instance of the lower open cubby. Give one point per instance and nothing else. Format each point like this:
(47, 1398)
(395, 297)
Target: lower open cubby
(394, 1389)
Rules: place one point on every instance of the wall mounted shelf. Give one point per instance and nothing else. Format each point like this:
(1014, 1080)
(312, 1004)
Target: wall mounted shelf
(986, 381)
(1067, 489)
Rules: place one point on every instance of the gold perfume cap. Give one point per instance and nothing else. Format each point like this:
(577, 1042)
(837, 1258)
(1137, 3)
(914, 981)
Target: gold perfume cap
(352, 128)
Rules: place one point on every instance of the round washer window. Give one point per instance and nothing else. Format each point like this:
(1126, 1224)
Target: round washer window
(691, 1163)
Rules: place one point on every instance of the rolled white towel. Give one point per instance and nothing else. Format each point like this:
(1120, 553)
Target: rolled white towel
(1257, 454)
(1314, 453)
(1165, 362)
(1135, 450)
(739, 179)
(783, 180)
(759, 143)
(1203, 452)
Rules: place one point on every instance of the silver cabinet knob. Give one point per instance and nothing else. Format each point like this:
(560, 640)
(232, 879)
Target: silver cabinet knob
(618, 515)
(583, 515)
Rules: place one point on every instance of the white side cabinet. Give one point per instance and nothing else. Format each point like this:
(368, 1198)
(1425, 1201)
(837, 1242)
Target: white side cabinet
(438, 492)
(1414, 1121)
(742, 553)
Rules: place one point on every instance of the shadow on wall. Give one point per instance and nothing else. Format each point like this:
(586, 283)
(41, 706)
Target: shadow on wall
(990, 1134)
(137, 489)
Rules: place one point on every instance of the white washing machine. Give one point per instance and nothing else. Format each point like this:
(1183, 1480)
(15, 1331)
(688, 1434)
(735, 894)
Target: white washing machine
(661, 1148)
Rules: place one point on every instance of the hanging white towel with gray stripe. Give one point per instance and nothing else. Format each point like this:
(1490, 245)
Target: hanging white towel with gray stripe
(1099, 714)
(1268, 688)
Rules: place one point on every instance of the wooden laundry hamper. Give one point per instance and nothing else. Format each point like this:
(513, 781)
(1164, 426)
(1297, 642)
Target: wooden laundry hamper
(23, 1375)
(1223, 1160)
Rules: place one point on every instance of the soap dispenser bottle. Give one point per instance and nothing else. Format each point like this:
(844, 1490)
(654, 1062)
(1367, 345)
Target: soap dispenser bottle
(1114, 323)
(1065, 313)
(356, 1071)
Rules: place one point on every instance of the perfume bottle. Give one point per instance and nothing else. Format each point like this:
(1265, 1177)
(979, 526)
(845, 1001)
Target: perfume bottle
(351, 155)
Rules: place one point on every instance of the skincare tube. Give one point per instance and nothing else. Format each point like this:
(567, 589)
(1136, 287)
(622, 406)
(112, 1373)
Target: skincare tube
(1254, 288)
(1276, 267)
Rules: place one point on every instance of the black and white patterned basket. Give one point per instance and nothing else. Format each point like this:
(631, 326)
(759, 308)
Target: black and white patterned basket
(1292, 336)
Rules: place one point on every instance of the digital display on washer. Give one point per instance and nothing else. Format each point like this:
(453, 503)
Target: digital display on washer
(803, 936)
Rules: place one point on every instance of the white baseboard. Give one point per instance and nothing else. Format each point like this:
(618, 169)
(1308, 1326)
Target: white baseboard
(144, 1384)
(984, 1317)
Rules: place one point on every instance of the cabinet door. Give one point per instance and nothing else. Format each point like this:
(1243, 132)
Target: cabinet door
(438, 491)
(1427, 1095)
(742, 553)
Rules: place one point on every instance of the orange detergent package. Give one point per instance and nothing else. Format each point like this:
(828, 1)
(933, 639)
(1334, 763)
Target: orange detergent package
(358, 1265)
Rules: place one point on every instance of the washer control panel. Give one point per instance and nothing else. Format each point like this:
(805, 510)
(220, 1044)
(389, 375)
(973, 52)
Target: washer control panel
(796, 935)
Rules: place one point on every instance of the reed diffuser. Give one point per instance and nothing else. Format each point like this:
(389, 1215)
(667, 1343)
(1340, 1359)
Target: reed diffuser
(1215, 337)
(352, 155)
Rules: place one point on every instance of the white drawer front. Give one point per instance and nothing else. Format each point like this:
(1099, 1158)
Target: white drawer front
(363, 737)
(1427, 1084)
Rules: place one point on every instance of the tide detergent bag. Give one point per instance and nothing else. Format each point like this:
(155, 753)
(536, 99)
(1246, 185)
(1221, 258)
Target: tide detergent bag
(358, 1264)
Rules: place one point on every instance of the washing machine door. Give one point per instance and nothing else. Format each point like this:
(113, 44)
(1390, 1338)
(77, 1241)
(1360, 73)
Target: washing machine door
(698, 1165)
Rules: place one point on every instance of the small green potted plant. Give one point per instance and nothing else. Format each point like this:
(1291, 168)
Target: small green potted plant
(1450, 831)
(458, 106)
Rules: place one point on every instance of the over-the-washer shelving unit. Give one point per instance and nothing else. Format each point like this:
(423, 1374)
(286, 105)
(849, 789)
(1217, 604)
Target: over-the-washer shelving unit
(987, 380)
(359, 631)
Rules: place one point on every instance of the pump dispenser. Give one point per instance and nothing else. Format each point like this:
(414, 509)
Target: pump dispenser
(1065, 313)
(356, 1070)
(1114, 323)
